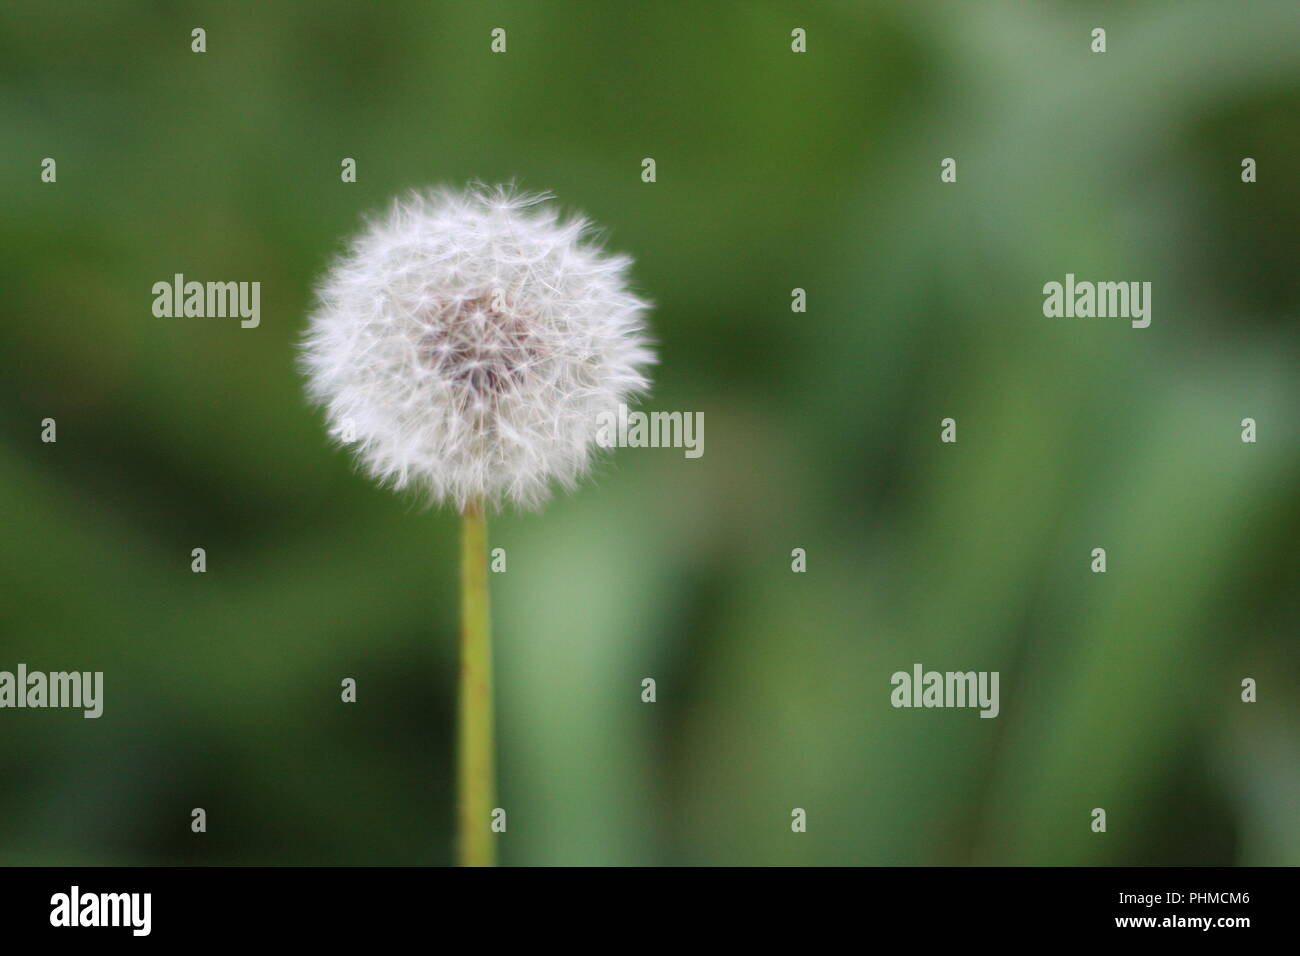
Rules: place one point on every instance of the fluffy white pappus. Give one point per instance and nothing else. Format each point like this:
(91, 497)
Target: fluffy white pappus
(467, 343)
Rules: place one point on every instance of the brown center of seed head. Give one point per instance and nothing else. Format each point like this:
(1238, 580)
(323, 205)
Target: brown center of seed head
(482, 347)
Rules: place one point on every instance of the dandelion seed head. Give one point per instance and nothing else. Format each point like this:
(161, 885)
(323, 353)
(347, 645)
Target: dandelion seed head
(469, 342)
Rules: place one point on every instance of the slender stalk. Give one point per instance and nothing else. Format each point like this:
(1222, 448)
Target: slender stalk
(477, 777)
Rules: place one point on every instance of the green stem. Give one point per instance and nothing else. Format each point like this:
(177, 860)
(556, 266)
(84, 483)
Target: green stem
(477, 778)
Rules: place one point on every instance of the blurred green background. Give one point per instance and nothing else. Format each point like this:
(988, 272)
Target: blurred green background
(775, 171)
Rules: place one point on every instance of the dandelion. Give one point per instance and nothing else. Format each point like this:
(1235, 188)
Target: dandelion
(465, 347)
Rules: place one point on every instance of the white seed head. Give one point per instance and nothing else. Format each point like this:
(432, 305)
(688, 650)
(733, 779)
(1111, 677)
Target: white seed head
(467, 343)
